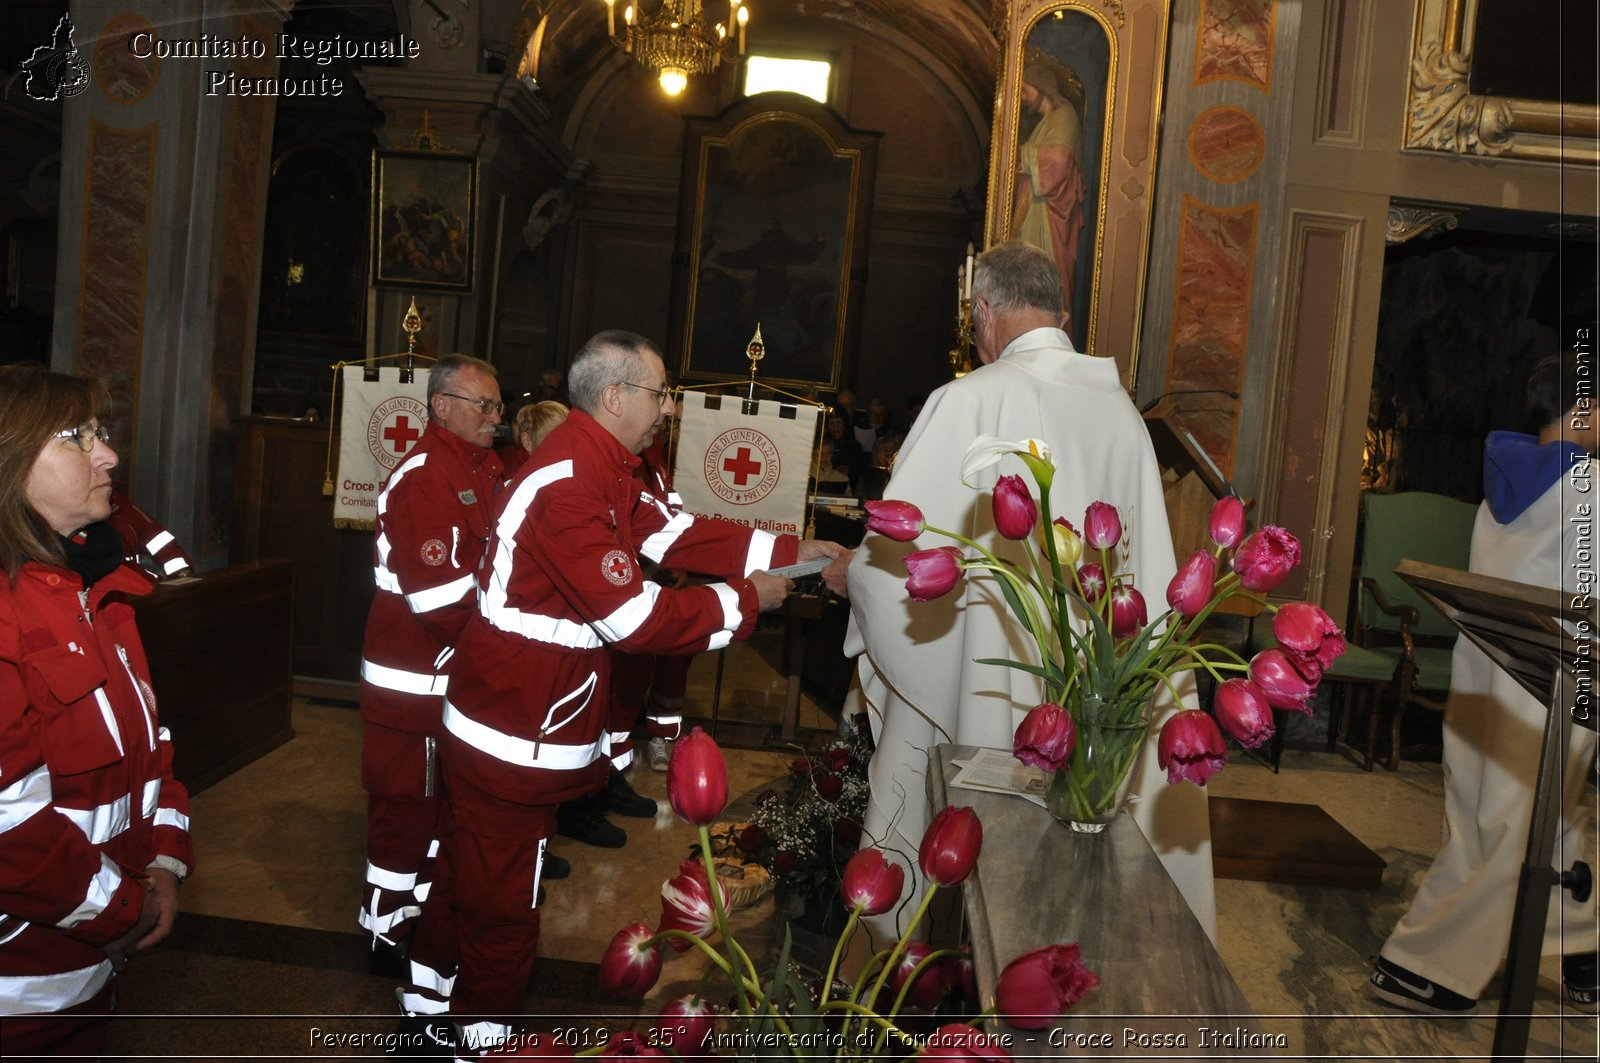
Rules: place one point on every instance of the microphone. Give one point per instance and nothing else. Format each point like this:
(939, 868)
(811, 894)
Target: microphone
(1153, 403)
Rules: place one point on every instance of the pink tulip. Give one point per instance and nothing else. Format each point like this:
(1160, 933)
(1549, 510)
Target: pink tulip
(950, 846)
(1014, 511)
(1244, 712)
(928, 988)
(962, 976)
(630, 1046)
(1309, 635)
(686, 904)
(1265, 558)
(1227, 521)
(1092, 578)
(1045, 737)
(871, 882)
(1102, 526)
(1191, 588)
(631, 963)
(1283, 684)
(1128, 614)
(688, 1025)
(1190, 747)
(900, 521)
(697, 779)
(1036, 987)
(932, 573)
(960, 1042)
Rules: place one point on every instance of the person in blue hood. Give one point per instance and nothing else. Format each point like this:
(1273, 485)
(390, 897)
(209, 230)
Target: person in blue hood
(1537, 526)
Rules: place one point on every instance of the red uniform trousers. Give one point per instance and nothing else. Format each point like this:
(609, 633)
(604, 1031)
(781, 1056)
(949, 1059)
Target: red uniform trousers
(78, 1031)
(404, 808)
(647, 685)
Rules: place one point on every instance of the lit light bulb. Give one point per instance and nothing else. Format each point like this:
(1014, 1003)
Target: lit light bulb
(673, 79)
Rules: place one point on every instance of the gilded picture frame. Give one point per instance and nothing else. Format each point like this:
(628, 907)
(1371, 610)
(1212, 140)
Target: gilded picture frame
(1102, 61)
(424, 220)
(1444, 115)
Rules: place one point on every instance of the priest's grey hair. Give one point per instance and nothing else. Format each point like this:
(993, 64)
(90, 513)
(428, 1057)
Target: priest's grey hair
(1017, 276)
(610, 357)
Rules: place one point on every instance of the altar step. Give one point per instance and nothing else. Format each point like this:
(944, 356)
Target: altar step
(1280, 841)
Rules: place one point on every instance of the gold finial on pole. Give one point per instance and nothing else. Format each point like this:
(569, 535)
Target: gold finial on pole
(412, 324)
(755, 350)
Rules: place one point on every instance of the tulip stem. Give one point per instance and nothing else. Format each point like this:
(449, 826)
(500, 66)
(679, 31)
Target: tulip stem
(905, 988)
(838, 950)
(736, 956)
(900, 946)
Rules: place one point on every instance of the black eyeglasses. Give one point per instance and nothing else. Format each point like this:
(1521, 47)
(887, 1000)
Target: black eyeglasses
(482, 405)
(85, 435)
(661, 394)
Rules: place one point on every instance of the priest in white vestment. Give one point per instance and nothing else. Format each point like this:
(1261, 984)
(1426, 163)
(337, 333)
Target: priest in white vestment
(917, 669)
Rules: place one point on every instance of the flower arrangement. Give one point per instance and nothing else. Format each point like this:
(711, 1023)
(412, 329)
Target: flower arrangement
(805, 829)
(1101, 658)
(885, 1011)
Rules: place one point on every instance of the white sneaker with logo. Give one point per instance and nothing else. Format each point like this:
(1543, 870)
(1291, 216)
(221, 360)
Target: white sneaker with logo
(659, 753)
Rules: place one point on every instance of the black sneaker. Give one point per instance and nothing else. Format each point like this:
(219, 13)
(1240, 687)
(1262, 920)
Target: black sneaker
(1392, 983)
(555, 867)
(1581, 977)
(423, 1037)
(583, 821)
(625, 801)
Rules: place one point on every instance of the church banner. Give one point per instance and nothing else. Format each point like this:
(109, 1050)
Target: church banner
(380, 423)
(752, 468)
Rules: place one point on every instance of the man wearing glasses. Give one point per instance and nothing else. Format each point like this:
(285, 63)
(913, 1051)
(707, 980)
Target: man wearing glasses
(526, 713)
(432, 524)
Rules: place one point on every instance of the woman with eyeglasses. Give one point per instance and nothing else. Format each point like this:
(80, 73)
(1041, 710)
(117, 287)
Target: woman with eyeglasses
(93, 829)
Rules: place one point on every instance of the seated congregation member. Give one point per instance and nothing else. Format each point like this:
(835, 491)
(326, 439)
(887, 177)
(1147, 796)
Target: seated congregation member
(93, 829)
(526, 713)
(917, 670)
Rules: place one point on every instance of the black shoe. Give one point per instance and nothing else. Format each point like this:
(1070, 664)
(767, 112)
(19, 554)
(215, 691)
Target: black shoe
(390, 959)
(584, 821)
(423, 1037)
(1581, 977)
(555, 867)
(1392, 983)
(624, 800)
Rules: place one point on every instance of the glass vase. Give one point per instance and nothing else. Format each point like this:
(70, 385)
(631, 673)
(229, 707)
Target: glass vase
(1089, 790)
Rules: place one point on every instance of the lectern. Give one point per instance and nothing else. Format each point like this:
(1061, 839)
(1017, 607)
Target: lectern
(1544, 639)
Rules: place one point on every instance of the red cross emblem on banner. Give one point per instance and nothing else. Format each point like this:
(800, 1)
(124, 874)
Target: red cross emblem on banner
(401, 435)
(742, 465)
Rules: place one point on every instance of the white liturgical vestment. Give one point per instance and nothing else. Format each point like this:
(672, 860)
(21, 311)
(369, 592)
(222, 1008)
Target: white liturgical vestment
(917, 667)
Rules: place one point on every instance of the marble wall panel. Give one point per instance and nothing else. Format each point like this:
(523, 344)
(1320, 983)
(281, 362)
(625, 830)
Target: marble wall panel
(1226, 144)
(1235, 42)
(1211, 322)
(116, 241)
(119, 74)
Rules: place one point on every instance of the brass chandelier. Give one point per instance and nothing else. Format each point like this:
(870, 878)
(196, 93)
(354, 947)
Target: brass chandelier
(678, 40)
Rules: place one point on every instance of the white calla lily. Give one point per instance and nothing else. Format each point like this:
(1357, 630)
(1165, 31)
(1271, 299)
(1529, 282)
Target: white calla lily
(986, 450)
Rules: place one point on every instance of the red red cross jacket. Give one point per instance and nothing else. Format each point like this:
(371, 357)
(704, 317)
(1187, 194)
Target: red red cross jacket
(526, 710)
(87, 798)
(432, 526)
(143, 534)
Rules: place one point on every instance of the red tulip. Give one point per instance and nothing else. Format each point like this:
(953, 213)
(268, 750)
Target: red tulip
(688, 1024)
(1128, 613)
(686, 904)
(1244, 712)
(963, 977)
(1284, 685)
(631, 963)
(697, 779)
(932, 573)
(872, 882)
(1310, 635)
(1045, 737)
(1190, 747)
(950, 846)
(928, 988)
(830, 787)
(958, 1041)
(1102, 526)
(1015, 513)
(1265, 558)
(1092, 578)
(1036, 987)
(900, 521)
(630, 1046)
(1227, 521)
(1191, 588)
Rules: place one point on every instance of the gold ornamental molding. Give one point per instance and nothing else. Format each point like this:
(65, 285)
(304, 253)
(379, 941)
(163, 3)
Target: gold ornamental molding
(1443, 115)
(1407, 221)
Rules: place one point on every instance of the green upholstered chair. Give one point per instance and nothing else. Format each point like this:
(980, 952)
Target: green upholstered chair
(1395, 627)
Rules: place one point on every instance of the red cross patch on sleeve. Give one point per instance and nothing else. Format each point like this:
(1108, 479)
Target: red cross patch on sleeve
(433, 552)
(617, 567)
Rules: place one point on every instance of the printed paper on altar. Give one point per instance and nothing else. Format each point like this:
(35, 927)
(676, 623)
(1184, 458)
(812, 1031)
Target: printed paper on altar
(379, 424)
(750, 468)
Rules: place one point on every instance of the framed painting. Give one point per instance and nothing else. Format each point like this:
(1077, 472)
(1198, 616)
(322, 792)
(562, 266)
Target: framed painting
(424, 215)
(1072, 168)
(772, 233)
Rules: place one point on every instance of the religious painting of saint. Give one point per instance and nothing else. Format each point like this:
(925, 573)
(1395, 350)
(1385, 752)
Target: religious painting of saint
(424, 207)
(1056, 195)
(777, 223)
